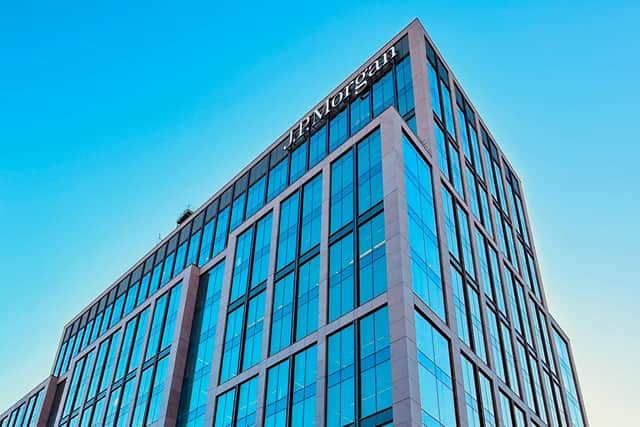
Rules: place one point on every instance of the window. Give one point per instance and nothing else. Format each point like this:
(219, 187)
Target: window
(278, 179)
(342, 191)
(423, 240)
(224, 409)
(505, 410)
(439, 89)
(497, 352)
(288, 231)
(243, 337)
(181, 256)
(375, 365)
(311, 213)
(251, 258)
(155, 397)
(261, 251)
(167, 271)
(297, 394)
(383, 93)
(303, 394)
(97, 370)
(497, 282)
(372, 268)
(277, 395)
(542, 336)
(537, 388)
(77, 383)
(467, 132)
(487, 400)
(460, 307)
(232, 340)
(465, 240)
(568, 380)
(307, 298)
(554, 400)
(115, 318)
(127, 342)
(486, 212)
(153, 287)
(129, 305)
(360, 112)
(509, 357)
(470, 393)
(241, 265)
(405, 87)
(338, 130)
(318, 146)
(525, 376)
(143, 395)
(207, 242)
(373, 373)
(256, 194)
(489, 277)
(170, 318)
(141, 335)
(434, 89)
(156, 326)
(253, 334)
(247, 393)
(341, 277)
(222, 230)
(476, 324)
(194, 246)
(462, 127)
(434, 369)
(450, 224)
(473, 194)
(298, 162)
(282, 317)
(237, 210)
(110, 362)
(125, 402)
(112, 407)
(455, 176)
(369, 172)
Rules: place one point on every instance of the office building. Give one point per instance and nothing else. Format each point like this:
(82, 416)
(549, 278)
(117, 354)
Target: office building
(373, 267)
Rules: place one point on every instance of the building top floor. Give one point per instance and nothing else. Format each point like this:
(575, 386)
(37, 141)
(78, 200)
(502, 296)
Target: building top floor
(385, 79)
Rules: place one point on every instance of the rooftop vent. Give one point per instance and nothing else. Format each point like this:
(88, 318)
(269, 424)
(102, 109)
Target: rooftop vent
(184, 216)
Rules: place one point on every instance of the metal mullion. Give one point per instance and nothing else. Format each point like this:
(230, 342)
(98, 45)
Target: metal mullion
(296, 266)
(236, 403)
(213, 235)
(245, 303)
(355, 231)
(356, 373)
(145, 413)
(291, 359)
(465, 290)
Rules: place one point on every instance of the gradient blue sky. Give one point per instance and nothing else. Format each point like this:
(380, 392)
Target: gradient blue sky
(115, 117)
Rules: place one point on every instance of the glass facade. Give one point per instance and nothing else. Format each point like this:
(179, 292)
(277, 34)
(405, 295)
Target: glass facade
(380, 244)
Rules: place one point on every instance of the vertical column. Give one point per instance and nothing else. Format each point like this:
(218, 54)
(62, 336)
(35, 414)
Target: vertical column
(268, 311)
(402, 332)
(421, 94)
(323, 298)
(180, 345)
(212, 390)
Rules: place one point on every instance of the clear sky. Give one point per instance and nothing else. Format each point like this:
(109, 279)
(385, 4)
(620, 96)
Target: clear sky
(115, 117)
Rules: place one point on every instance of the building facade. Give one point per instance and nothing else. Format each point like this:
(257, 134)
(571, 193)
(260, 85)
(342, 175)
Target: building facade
(373, 267)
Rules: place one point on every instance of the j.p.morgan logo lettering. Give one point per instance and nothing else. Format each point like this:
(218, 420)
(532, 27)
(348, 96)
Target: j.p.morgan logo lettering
(334, 102)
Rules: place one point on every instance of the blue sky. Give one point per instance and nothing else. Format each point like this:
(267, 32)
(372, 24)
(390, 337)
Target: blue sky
(115, 117)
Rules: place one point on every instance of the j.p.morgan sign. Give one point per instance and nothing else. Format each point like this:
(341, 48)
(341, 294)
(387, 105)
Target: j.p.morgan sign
(334, 102)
